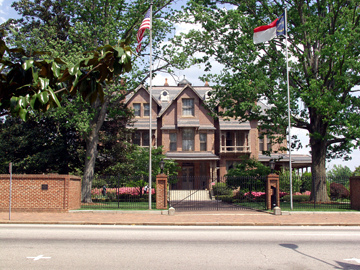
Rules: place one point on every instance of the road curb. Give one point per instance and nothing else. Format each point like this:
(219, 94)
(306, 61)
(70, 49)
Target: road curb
(240, 224)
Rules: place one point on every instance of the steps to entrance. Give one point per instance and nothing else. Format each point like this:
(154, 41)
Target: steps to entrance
(189, 195)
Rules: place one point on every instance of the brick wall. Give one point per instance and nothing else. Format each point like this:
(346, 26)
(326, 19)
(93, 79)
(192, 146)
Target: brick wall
(32, 192)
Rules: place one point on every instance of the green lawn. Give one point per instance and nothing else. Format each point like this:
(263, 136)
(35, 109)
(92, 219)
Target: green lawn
(285, 206)
(118, 206)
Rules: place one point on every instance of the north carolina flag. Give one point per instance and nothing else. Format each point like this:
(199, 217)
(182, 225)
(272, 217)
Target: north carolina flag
(144, 25)
(268, 32)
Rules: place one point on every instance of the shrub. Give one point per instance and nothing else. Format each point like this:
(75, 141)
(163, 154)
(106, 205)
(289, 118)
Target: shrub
(296, 198)
(306, 182)
(338, 191)
(225, 198)
(222, 189)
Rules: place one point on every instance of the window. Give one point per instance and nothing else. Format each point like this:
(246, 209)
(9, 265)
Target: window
(261, 144)
(203, 139)
(188, 139)
(137, 137)
(188, 107)
(145, 138)
(268, 144)
(173, 140)
(137, 109)
(146, 109)
(141, 138)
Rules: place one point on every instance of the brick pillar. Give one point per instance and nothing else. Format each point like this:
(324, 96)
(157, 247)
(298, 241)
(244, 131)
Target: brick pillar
(272, 189)
(161, 191)
(355, 192)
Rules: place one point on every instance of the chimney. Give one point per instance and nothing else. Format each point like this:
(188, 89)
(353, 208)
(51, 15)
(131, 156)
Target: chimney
(166, 82)
(206, 83)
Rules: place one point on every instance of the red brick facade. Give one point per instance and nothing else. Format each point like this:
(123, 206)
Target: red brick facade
(203, 146)
(40, 192)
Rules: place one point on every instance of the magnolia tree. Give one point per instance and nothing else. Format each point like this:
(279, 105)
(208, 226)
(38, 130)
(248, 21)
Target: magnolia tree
(67, 28)
(324, 67)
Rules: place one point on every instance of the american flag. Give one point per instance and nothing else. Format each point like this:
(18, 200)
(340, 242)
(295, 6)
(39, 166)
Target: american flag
(144, 25)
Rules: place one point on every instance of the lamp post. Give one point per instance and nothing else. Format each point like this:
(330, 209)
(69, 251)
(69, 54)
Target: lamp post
(162, 164)
(272, 165)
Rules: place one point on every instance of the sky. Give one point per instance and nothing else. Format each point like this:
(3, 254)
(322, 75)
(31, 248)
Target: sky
(192, 75)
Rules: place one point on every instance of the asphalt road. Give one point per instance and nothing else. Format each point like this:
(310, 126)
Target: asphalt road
(171, 247)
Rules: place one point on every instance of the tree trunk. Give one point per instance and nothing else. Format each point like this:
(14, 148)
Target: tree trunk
(318, 169)
(92, 141)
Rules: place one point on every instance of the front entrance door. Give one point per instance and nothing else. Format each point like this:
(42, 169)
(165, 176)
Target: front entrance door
(188, 177)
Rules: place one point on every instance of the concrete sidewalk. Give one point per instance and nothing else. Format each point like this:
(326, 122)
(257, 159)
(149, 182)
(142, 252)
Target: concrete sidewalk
(199, 218)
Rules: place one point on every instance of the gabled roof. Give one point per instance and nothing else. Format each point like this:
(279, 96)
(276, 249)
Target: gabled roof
(132, 95)
(177, 95)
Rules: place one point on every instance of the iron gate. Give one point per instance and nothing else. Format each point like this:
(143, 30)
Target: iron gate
(249, 196)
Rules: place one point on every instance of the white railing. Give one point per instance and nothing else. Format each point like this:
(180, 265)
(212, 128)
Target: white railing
(234, 149)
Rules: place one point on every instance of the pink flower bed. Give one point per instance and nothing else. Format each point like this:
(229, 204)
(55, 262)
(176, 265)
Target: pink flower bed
(134, 191)
(255, 193)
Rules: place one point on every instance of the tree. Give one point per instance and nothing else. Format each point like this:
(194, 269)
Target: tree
(250, 169)
(339, 172)
(138, 162)
(324, 50)
(356, 171)
(84, 26)
(39, 145)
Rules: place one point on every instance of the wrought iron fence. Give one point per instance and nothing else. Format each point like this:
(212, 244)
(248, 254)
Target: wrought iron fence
(121, 192)
(249, 194)
(337, 196)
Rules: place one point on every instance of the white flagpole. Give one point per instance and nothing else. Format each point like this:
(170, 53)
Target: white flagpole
(289, 110)
(150, 114)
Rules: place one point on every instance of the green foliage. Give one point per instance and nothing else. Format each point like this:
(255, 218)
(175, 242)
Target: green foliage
(222, 189)
(40, 145)
(38, 80)
(137, 163)
(296, 198)
(356, 171)
(284, 181)
(249, 167)
(306, 182)
(85, 35)
(339, 172)
(248, 175)
(324, 39)
(225, 198)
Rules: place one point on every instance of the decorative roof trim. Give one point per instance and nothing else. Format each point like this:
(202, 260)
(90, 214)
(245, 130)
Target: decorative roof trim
(139, 88)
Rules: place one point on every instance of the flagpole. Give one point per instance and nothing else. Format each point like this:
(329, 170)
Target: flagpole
(289, 111)
(150, 113)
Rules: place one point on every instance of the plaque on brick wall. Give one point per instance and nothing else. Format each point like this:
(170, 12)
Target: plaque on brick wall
(44, 187)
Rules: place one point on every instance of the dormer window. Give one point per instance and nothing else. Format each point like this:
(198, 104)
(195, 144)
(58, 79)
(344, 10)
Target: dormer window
(137, 109)
(146, 109)
(164, 96)
(188, 107)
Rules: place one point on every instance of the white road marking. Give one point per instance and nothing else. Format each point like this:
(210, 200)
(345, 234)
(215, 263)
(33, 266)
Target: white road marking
(325, 234)
(353, 259)
(38, 257)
